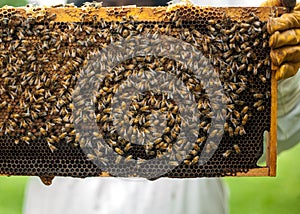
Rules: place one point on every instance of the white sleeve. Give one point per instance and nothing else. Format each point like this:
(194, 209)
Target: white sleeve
(288, 124)
(127, 196)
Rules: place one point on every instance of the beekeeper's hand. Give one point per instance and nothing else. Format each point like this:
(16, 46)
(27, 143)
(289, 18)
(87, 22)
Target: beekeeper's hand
(285, 39)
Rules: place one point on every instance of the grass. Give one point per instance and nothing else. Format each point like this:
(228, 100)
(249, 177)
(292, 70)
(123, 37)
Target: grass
(269, 195)
(15, 3)
(248, 195)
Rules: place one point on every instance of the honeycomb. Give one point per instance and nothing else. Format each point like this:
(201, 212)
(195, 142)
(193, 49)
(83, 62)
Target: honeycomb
(179, 91)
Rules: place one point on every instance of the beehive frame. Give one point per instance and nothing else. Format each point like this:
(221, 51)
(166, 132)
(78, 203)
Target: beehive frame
(94, 14)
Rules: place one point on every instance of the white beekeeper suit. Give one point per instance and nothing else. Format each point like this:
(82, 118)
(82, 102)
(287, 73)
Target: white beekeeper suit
(165, 196)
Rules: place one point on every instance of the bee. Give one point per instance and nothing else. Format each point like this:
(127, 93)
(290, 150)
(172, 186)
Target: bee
(213, 133)
(52, 16)
(127, 147)
(242, 131)
(239, 102)
(258, 103)
(236, 148)
(187, 162)
(195, 160)
(205, 46)
(31, 135)
(256, 42)
(104, 160)
(255, 70)
(195, 146)
(118, 159)
(237, 130)
(229, 59)
(34, 115)
(140, 27)
(245, 119)
(211, 22)
(173, 163)
(260, 108)
(15, 116)
(52, 147)
(91, 157)
(237, 114)
(230, 107)
(119, 151)
(26, 139)
(194, 152)
(230, 131)
(207, 127)
(258, 96)
(211, 145)
(128, 158)
(16, 141)
(242, 67)
(250, 68)
(167, 139)
(43, 131)
(257, 24)
(57, 120)
(77, 137)
(226, 153)
(226, 126)
(3, 104)
(262, 78)
(63, 135)
(178, 22)
(54, 138)
(227, 54)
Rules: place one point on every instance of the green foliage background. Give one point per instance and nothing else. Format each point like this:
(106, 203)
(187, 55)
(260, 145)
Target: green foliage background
(15, 3)
(264, 195)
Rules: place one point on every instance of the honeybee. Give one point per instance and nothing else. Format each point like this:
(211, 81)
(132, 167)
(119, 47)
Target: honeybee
(62, 135)
(52, 147)
(258, 96)
(262, 78)
(119, 151)
(26, 139)
(54, 138)
(118, 159)
(226, 153)
(91, 157)
(173, 163)
(128, 158)
(242, 131)
(236, 148)
(258, 103)
(237, 130)
(237, 114)
(245, 119)
(3, 104)
(230, 131)
(195, 160)
(260, 108)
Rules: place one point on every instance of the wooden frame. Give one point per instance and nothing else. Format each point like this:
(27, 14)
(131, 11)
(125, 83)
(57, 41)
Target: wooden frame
(73, 14)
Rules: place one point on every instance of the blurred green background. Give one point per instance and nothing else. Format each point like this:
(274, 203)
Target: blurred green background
(12, 189)
(269, 195)
(261, 195)
(15, 3)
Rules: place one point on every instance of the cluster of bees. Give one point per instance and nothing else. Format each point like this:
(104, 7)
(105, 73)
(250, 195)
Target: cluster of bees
(41, 61)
